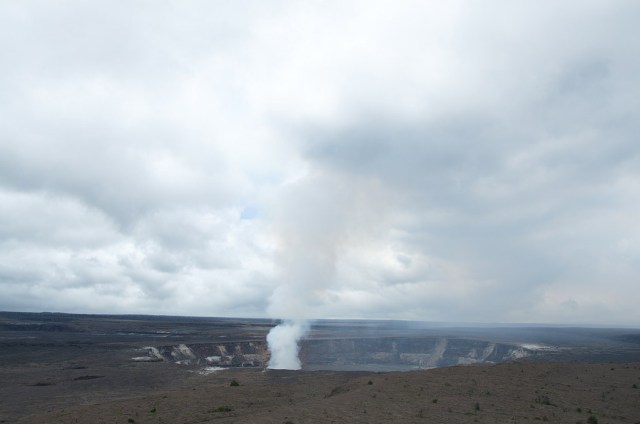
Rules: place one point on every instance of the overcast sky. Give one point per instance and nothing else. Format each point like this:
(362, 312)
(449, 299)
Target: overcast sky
(471, 161)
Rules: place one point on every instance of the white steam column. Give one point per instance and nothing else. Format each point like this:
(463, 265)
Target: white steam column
(314, 218)
(283, 344)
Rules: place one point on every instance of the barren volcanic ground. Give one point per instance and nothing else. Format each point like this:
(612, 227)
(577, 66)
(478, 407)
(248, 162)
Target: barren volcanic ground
(103, 369)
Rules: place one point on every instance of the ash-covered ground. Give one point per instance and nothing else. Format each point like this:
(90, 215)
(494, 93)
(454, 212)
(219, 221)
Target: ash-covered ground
(52, 363)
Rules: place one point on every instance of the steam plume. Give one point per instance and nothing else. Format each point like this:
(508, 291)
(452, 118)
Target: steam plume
(283, 343)
(307, 222)
(313, 220)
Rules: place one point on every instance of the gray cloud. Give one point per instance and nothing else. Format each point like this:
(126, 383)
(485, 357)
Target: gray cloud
(428, 161)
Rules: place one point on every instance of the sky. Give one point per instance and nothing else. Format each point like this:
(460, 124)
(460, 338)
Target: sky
(456, 161)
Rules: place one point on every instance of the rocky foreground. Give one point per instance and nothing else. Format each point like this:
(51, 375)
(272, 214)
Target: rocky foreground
(515, 392)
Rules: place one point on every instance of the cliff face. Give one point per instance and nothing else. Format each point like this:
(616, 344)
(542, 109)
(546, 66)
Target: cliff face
(231, 354)
(347, 353)
(401, 352)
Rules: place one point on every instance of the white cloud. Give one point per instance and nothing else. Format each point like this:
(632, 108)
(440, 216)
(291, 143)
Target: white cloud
(442, 160)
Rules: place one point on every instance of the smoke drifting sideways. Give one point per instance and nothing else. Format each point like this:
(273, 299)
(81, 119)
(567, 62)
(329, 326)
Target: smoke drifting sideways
(314, 220)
